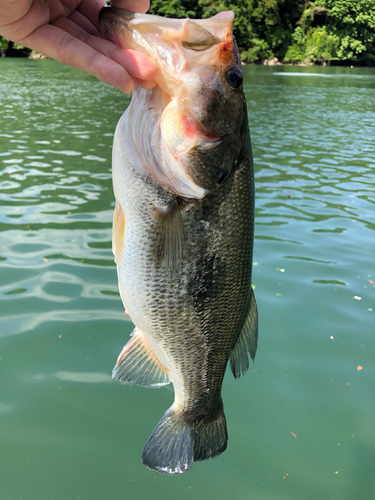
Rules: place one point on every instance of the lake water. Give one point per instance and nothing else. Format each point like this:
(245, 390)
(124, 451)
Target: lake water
(301, 422)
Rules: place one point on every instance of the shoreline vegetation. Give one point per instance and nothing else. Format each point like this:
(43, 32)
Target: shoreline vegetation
(276, 32)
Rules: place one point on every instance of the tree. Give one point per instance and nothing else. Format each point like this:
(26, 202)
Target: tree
(291, 30)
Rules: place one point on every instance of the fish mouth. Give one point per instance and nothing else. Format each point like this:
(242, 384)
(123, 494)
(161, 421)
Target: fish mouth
(192, 129)
(176, 125)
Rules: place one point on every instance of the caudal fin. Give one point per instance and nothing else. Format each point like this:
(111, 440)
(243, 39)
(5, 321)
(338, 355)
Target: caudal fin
(210, 437)
(175, 443)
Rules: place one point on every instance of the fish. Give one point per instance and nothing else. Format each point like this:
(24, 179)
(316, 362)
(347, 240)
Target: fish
(183, 228)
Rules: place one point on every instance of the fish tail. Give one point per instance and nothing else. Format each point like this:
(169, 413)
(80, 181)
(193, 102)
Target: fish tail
(210, 436)
(176, 442)
(170, 448)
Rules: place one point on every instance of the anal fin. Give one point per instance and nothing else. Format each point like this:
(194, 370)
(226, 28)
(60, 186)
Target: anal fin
(247, 341)
(137, 364)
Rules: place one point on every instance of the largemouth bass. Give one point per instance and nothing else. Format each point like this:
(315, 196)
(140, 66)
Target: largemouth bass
(183, 228)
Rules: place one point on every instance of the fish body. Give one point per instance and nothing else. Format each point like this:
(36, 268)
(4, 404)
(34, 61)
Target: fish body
(183, 228)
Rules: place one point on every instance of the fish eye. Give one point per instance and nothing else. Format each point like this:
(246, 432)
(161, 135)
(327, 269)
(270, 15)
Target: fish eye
(221, 177)
(234, 77)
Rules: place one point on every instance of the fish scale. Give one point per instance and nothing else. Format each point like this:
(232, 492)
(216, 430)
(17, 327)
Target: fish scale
(183, 245)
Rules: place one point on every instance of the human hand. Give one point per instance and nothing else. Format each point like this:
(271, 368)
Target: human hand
(68, 31)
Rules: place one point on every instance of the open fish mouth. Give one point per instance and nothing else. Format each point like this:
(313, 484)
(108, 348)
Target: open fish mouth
(190, 55)
(191, 128)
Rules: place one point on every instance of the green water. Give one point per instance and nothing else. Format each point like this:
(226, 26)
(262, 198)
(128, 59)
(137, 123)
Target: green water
(301, 422)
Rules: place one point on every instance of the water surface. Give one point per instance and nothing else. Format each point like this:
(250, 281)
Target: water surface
(301, 422)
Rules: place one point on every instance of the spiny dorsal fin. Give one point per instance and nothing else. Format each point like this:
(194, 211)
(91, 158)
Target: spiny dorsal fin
(169, 236)
(138, 364)
(195, 37)
(118, 229)
(246, 342)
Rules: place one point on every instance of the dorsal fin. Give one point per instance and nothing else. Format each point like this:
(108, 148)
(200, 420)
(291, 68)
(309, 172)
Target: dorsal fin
(247, 341)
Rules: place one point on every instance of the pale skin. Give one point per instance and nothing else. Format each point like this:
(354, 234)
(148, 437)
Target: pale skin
(68, 31)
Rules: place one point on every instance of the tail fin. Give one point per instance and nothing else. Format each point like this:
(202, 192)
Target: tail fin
(210, 436)
(170, 448)
(175, 443)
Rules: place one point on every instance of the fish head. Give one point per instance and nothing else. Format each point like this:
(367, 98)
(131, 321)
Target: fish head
(212, 106)
(199, 93)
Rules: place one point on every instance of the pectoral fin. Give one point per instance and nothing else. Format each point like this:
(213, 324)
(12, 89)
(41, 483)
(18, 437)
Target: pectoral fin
(247, 341)
(169, 236)
(138, 364)
(118, 229)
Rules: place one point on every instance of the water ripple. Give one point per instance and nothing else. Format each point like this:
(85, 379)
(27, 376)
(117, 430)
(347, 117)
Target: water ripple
(62, 322)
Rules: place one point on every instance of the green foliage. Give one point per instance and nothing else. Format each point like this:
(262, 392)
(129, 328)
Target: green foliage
(262, 28)
(335, 29)
(321, 46)
(17, 46)
(296, 51)
(314, 45)
(354, 24)
(4, 44)
(259, 50)
(268, 25)
(8, 46)
(174, 8)
(291, 30)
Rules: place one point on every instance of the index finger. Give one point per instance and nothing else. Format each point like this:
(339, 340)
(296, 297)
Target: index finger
(91, 8)
(141, 6)
(62, 46)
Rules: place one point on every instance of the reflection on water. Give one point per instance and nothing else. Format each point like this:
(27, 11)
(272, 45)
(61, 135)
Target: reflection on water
(90, 378)
(301, 422)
